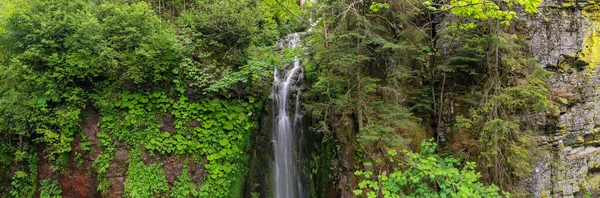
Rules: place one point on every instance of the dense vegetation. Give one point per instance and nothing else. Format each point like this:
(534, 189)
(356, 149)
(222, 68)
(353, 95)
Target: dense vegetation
(188, 79)
(392, 69)
(134, 63)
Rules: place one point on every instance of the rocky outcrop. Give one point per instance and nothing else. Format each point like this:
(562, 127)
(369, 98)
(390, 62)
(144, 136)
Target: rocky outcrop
(564, 36)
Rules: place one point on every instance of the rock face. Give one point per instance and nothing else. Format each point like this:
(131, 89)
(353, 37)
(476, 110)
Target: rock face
(80, 180)
(564, 36)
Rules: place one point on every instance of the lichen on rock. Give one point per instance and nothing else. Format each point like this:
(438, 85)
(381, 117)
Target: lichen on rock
(590, 51)
(565, 37)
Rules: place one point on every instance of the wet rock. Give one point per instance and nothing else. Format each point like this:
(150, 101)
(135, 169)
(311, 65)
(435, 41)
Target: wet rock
(117, 187)
(90, 125)
(44, 165)
(117, 171)
(79, 180)
(166, 124)
(196, 171)
(173, 168)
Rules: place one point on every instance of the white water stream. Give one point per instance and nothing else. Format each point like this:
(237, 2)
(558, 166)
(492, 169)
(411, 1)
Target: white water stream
(287, 178)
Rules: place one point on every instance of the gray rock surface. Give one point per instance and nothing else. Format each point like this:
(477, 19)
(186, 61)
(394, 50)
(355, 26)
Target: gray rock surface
(568, 165)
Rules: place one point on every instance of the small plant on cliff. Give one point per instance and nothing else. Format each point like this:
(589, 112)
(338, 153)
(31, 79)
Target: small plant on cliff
(50, 189)
(24, 182)
(427, 175)
(143, 180)
(21, 184)
(184, 186)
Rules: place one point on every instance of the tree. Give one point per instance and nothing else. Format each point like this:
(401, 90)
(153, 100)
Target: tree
(497, 82)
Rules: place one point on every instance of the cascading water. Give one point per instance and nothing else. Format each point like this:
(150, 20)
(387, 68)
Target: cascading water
(287, 178)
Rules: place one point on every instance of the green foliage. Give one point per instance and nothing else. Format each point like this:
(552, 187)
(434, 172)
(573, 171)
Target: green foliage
(243, 17)
(485, 9)
(140, 47)
(143, 180)
(7, 158)
(284, 12)
(22, 185)
(498, 85)
(498, 136)
(7, 154)
(24, 181)
(215, 129)
(224, 55)
(153, 70)
(50, 189)
(222, 136)
(101, 164)
(360, 73)
(57, 52)
(254, 74)
(375, 7)
(427, 175)
(136, 62)
(184, 187)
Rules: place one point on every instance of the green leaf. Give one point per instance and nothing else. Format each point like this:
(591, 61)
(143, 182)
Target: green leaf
(228, 126)
(224, 142)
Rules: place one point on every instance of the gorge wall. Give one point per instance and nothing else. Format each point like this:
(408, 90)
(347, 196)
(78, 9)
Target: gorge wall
(565, 38)
(189, 143)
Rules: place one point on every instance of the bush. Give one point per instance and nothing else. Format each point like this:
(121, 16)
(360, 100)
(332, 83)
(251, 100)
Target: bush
(427, 175)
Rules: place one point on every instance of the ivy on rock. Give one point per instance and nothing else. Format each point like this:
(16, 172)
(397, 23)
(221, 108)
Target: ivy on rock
(217, 130)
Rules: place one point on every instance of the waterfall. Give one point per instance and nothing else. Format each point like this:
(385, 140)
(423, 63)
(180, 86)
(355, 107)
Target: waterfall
(286, 131)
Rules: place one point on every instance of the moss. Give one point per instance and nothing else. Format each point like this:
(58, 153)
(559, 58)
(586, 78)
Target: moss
(594, 181)
(563, 128)
(583, 185)
(554, 110)
(237, 186)
(592, 10)
(591, 50)
(569, 3)
(591, 46)
(564, 67)
(579, 139)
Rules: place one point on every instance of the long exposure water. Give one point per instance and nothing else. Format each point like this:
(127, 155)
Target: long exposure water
(287, 178)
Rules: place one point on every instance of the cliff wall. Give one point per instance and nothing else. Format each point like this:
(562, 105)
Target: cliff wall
(565, 38)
